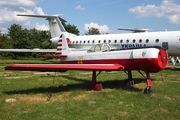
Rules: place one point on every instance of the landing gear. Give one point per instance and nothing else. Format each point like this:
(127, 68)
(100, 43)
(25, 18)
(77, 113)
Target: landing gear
(129, 82)
(96, 86)
(148, 89)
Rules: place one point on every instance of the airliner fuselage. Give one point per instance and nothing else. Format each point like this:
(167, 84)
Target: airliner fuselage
(170, 40)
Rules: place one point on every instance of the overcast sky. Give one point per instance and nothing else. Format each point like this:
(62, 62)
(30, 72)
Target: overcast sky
(106, 15)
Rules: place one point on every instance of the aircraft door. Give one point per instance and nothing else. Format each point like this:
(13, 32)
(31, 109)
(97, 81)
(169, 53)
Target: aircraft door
(178, 42)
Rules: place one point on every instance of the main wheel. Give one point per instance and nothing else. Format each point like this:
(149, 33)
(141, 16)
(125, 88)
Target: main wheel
(148, 90)
(129, 83)
(98, 87)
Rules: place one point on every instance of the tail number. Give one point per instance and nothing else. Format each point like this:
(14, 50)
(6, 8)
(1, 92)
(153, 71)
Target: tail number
(80, 59)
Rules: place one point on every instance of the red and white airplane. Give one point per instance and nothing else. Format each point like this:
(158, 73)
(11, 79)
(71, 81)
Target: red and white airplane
(103, 57)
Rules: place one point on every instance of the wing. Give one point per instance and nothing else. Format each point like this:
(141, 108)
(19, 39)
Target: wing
(134, 30)
(29, 50)
(64, 67)
(38, 50)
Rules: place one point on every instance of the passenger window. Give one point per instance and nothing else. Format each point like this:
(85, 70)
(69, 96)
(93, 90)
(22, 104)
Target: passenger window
(157, 40)
(99, 41)
(121, 41)
(80, 41)
(88, 41)
(84, 41)
(134, 41)
(109, 41)
(147, 40)
(140, 41)
(115, 41)
(127, 41)
(73, 42)
(93, 41)
(104, 41)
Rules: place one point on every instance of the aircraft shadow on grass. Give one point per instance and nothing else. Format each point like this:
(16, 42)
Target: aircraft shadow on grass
(82, 85)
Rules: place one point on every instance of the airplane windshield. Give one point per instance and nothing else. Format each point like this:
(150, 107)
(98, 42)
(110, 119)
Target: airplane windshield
(100, 47)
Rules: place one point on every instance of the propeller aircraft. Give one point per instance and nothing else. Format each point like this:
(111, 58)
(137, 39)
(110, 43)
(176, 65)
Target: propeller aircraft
(103, 57)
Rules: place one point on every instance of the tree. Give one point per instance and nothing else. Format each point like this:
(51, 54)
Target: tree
(93, 31)
(72, 29)
(5, 43)
(18, 36)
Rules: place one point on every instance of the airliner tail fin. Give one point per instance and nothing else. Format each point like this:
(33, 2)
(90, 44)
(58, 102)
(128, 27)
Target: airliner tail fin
(55, 24)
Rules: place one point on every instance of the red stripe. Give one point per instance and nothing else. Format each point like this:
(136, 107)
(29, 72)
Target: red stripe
(59, 48)
(60, 41)
(58, 53)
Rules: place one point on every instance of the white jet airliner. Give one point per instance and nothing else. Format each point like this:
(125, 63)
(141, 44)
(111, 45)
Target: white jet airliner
(170, 40)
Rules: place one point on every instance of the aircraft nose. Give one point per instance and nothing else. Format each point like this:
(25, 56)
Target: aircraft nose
(162, 58)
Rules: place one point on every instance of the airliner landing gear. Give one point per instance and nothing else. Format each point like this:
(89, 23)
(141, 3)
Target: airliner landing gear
(96, 86)
(130, 81)
(148, 89)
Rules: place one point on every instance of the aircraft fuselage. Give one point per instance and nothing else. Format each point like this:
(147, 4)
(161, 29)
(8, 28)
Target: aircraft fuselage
(170, 40)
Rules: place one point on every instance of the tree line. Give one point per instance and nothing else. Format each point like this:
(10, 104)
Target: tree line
(22, 38)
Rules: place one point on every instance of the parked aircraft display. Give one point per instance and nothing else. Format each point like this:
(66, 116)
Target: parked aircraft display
(103, 57)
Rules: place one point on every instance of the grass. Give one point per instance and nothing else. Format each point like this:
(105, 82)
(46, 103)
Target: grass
(72, 97)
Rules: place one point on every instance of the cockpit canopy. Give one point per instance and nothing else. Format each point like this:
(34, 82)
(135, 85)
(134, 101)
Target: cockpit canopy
(101, 47)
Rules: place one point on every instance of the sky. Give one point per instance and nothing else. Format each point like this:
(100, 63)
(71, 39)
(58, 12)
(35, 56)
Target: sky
(106, 15)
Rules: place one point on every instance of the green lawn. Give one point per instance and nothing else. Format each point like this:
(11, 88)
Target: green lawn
(23, 95)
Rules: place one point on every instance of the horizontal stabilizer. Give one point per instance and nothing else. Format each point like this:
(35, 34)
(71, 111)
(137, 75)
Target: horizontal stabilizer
(170, 67)
(43, 16)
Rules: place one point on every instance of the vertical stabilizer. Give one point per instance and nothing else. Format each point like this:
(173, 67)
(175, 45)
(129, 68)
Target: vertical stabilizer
(62, 46)
(55, 25)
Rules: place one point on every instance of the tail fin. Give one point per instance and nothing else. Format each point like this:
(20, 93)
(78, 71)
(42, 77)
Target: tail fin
(62, 46)
(55, 25)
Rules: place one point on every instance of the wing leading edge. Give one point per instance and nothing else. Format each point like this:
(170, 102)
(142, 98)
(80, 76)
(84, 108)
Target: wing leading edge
(64, 67)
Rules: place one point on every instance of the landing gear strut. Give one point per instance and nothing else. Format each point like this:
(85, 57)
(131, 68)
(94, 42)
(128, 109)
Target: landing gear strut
(96, 86)
(130, 81)
(148, 89)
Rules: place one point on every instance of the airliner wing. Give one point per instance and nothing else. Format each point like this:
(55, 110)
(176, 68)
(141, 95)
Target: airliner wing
(64, 67)
(38, 50)
(29, 50)
(134, 30)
